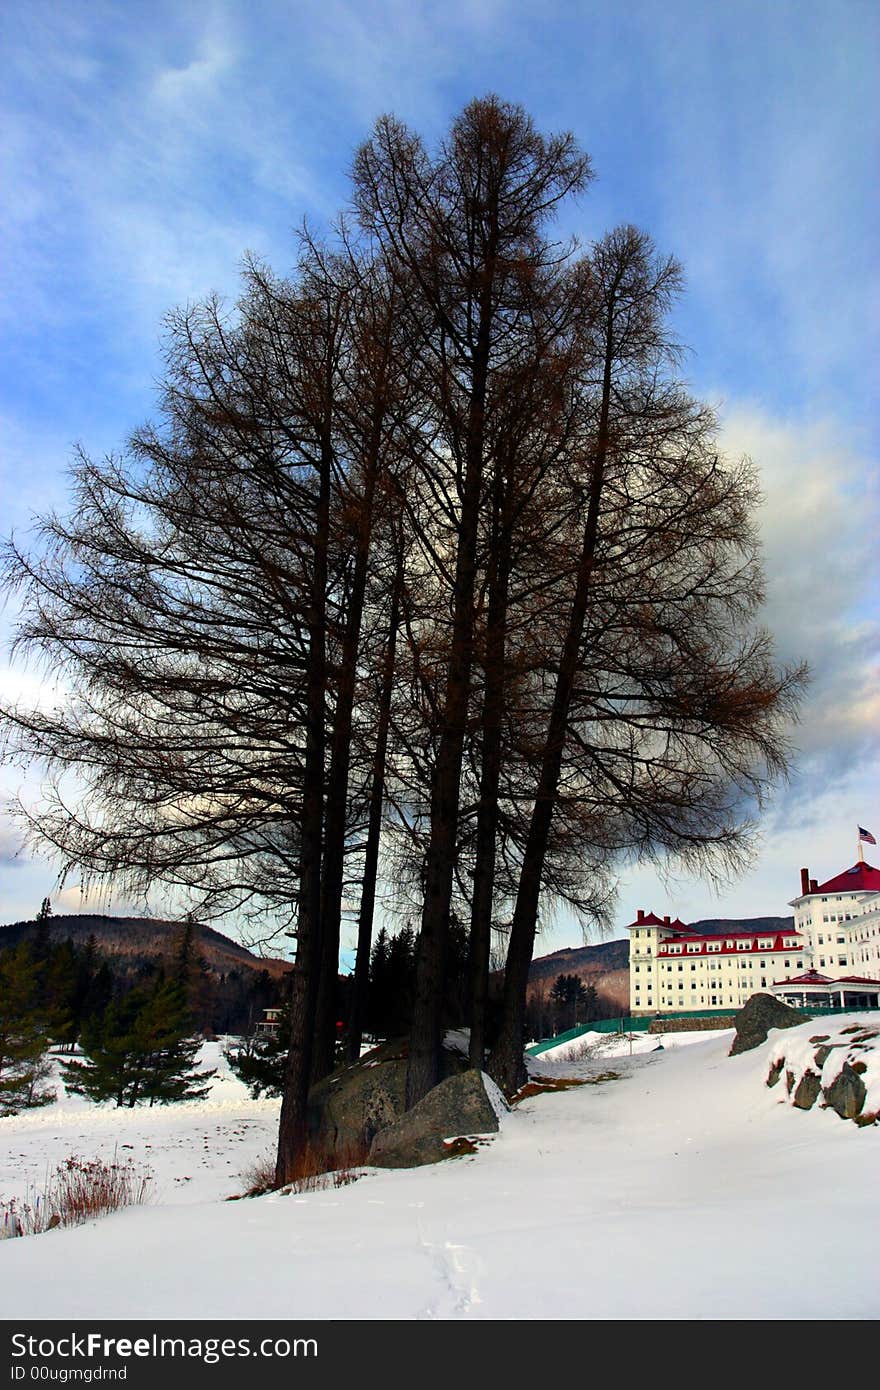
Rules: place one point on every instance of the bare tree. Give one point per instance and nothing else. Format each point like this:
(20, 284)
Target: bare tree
(667, 712)
(466, 229)
(431, 556)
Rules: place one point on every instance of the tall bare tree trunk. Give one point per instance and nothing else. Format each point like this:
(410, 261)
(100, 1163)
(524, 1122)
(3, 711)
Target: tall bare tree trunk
(506, 1061)
(292, 1129)
(371, 856)
(423, 1071)
(337, 789)
(490, 775)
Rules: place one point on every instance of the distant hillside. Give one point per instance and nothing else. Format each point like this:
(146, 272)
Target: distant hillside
(137, 940)
(720, 926)
(573, 960)
(605, 966)
(238, 985)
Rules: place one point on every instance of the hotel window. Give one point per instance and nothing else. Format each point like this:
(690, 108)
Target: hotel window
(841, 960)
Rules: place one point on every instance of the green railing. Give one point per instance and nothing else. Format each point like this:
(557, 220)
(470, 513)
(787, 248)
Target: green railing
(644, 1021)
(625, 1025)
(599, 1025)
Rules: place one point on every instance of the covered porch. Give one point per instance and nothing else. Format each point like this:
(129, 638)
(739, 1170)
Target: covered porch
(813, 991)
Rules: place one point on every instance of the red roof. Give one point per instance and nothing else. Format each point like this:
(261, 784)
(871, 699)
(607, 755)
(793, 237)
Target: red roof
(861, 878)
(812, 977)
(721, 948)
(809, 977)
(650, 919)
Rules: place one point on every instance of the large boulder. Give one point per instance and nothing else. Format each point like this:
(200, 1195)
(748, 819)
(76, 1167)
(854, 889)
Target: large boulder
(460, 1105)
(807, 1091)
(757, 1016)
(846, 1094)
(348, 1108)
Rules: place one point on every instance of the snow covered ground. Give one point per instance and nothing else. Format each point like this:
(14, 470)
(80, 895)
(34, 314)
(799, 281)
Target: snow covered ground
(682, 1189)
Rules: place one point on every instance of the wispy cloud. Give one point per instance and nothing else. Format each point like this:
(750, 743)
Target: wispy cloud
(819, 524)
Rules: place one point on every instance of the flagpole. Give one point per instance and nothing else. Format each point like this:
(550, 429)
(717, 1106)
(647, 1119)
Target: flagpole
(861, 851)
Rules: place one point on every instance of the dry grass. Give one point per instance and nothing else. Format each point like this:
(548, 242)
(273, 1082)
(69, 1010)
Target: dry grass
(80, 1190)
(317, 1168)
(538, 1084)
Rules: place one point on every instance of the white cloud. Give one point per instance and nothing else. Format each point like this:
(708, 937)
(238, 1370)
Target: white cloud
(179, 86)
(819, 524)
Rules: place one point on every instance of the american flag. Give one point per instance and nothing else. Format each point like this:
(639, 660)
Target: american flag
(866, 836)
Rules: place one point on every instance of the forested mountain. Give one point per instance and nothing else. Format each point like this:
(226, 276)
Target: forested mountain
(235, 986)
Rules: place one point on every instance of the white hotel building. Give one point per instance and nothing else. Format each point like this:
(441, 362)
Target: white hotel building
(831, 955)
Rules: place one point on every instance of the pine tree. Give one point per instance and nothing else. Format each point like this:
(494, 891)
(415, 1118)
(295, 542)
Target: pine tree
(42, 938)
(191, 972)
(24, 1035)
(169, 1049)
(140, 1050)
(569, 998)
(259, 1061)
(60, 984)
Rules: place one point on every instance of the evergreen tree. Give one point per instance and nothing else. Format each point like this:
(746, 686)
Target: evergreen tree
(569, 998)
(378, 994)
(60, 983)
(140, 1050)
(259, 1061)
(42, 938)
(191, 972)
(24, 1034)
(169, 1050)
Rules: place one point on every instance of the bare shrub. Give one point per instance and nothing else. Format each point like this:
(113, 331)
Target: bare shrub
(259, 1177)
(80, 1190)
(316, 1169)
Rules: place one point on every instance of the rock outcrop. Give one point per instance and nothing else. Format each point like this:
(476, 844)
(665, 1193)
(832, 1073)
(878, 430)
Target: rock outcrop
(757, 1016)
(838, 1070)
(348, 1108)
(460, 1106)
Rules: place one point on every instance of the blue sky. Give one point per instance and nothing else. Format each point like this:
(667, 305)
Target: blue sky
(146, 146)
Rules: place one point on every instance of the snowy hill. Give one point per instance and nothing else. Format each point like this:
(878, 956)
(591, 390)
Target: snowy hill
(660, 1192)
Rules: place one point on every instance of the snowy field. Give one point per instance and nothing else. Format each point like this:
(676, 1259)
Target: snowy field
(682, 1188)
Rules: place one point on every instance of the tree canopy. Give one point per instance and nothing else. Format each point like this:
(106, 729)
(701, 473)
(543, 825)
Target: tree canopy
(430, 572)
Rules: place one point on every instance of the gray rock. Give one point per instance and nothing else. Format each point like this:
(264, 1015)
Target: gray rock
(458, 1106)
(846, 1094)
(348, 1108)
(757, 1016)
(775, 1073)
(807, 1092)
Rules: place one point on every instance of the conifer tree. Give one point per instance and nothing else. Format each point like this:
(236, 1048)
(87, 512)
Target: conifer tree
(140, 1050)
(24, 1035)
(259, 1061)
